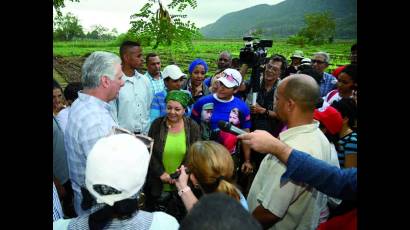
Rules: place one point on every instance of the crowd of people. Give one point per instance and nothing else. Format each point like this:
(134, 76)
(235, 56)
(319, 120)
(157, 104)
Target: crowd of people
(148, 151)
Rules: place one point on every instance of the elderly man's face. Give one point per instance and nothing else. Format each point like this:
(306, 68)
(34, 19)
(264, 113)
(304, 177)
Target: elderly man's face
(319, 64)
(272, 70)
(224, 61)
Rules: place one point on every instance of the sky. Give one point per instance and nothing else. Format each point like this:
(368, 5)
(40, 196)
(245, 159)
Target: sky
(116, 13)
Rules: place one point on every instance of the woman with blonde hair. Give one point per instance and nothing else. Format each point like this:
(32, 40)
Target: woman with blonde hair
(211, 169)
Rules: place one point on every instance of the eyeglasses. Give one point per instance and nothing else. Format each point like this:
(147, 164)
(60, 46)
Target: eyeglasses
(318, 61)
(148, 141)
(272, 68)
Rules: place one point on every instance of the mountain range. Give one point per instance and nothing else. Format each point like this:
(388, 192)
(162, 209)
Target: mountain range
(284, 19)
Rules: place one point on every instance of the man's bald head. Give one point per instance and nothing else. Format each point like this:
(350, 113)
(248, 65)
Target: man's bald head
(302, 89)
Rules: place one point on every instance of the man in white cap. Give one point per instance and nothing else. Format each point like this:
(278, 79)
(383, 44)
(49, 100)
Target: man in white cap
(173, 79)
(224, 103)
(115, 174)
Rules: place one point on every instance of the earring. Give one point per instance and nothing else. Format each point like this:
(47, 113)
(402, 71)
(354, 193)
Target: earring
(196, 186)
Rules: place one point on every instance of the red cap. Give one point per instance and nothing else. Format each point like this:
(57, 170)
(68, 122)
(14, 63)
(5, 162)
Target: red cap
(330, 118)
(337, 71)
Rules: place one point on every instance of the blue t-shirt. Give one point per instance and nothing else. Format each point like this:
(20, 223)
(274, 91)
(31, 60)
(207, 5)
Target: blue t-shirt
(207, 81)
(209, 110)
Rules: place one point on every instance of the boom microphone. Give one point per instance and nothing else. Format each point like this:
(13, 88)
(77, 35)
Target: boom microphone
(228, 127)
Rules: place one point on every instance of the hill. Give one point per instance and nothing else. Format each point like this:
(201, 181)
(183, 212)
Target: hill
(284, 19)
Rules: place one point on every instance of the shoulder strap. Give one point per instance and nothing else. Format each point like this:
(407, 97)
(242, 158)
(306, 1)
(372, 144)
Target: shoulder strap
(331, 94)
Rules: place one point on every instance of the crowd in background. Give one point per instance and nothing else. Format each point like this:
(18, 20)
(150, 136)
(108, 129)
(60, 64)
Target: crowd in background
(146, 151)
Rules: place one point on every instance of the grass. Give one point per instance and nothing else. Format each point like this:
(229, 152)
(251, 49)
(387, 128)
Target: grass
(207, 49)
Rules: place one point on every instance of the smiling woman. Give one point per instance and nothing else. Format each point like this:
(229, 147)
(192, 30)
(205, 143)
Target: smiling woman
(173, 134)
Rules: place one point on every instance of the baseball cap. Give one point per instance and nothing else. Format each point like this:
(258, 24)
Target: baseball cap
(231, 78)
(173, 72)
(116, 168)
(330, 118)
(306, 61)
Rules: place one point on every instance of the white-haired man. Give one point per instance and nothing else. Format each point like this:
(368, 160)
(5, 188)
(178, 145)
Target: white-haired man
(91, 117)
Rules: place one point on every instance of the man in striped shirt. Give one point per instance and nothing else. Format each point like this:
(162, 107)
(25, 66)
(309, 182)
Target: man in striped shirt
(90, 117)
(320, 62)
(57, 211)
(154, 73)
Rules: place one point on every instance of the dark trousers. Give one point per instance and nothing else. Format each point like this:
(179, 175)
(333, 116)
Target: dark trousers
(68, 200)
(168, 202)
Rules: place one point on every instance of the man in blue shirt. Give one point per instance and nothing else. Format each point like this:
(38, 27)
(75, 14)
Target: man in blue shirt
(154, 73)
(320, 62)
(301, 167)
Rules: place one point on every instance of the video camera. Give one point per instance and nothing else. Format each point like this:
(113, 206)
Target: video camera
(254, 52)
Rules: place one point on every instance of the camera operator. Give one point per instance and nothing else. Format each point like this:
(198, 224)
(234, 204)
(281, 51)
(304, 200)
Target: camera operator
(262, 115)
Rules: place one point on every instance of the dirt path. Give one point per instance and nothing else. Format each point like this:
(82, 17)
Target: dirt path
(67, 69)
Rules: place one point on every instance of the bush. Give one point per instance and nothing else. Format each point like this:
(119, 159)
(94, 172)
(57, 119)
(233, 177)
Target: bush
(297, 40)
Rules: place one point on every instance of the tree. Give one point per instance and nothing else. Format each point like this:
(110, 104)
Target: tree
(67, 27)
(320, 28)
(99, 32)
(160, 27)
(58, 4)
(258, 32)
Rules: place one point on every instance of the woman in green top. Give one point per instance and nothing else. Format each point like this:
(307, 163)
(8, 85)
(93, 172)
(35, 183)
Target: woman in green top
(173, 134)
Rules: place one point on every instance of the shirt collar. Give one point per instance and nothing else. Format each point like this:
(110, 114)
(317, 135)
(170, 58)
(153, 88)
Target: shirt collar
(86, 97)
(223, 101)
(289, 133)
(153, 79)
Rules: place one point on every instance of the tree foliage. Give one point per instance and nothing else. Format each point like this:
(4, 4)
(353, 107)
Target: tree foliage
(158, 26)
(320, 28)
(58, 4)
(99, 32)
(67, 27)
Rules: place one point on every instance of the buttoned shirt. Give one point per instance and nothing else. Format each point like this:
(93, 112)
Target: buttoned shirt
(297, 204)
(57, 211)
(89, 119)
(157, 85)
(327, 84)
(132, 108)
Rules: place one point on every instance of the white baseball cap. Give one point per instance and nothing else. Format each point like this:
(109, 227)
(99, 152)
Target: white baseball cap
(120, 162)
(173, 72)
(231, 78)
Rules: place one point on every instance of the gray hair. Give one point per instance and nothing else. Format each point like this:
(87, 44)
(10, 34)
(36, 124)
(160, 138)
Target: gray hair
(325, 55)
(227, 53)
(98, 64)
(303, 89)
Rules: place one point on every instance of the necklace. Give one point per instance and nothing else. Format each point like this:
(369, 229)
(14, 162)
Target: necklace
(175, 127)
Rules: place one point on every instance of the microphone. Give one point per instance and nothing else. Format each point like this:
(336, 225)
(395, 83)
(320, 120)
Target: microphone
(228, 127)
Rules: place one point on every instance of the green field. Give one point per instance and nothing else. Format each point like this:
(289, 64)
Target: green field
(205, 49)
